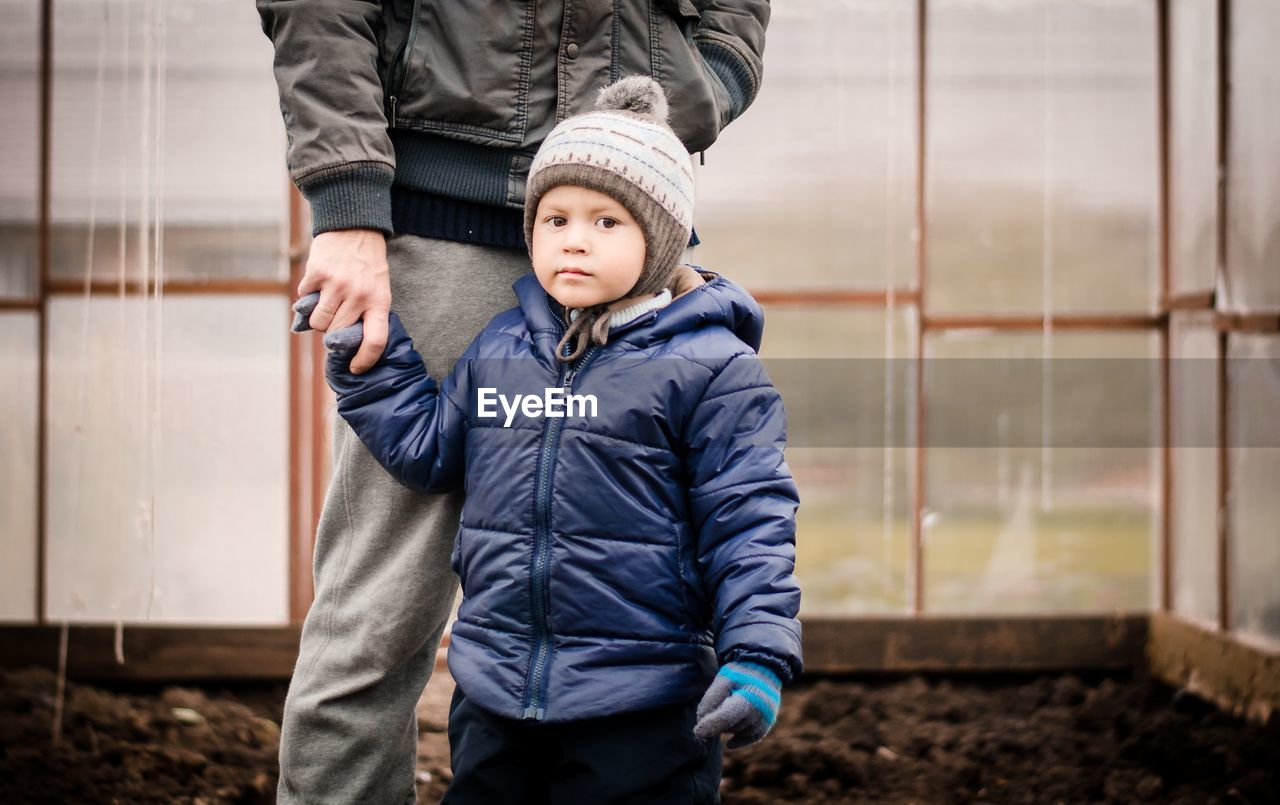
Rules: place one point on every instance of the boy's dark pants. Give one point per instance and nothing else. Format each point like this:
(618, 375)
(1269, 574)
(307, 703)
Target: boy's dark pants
(649, 756)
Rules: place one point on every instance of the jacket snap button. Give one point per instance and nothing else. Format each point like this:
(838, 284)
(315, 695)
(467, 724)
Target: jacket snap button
(571, 50)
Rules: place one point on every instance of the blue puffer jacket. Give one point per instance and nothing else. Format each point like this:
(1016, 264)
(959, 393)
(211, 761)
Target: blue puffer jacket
(608, 562)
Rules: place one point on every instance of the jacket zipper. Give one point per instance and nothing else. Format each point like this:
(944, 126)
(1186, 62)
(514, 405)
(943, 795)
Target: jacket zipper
(400, 70)
(539, 582)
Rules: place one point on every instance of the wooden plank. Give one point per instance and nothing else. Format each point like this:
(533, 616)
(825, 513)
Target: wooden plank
(156, 653)
(1166, 285)
(174, 287)
(1223, 280)
(1037, 323)
(843, 297)
(918, 478)
(1162, 115)
(832, 645)
(1204, 300)
(1247, 322)
(42, 339)
(1166, 469)
(300, 446)
(1240, 678)
(973, 644)
(320, 445)
(1223, 533)
(31, 305)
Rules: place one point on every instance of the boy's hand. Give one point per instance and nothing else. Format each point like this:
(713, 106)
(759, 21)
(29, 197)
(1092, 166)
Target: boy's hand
(743, 699)
(344, 341)
(349, 269)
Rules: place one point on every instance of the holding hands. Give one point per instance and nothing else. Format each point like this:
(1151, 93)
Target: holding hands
(347, 283)
(743, 700)
(344, 341)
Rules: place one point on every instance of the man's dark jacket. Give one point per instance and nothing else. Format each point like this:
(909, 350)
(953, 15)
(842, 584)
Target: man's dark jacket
(609, 562)
(471, 87)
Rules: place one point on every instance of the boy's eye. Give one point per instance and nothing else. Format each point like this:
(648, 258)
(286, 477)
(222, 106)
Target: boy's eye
(607, 223)
(556, 220)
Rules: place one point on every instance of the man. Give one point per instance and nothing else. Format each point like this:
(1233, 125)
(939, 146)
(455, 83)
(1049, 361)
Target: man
(411, 127)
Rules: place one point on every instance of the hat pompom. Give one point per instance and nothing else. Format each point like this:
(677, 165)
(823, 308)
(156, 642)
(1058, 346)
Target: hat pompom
(637, 94)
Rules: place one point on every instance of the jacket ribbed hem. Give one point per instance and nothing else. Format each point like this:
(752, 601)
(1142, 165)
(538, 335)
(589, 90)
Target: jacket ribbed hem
(414, 212)
(733, 74)
(355, 196)
(457, 169)
(777, 665)
(454, 190)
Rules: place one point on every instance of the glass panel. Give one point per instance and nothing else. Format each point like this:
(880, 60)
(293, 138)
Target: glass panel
(1193, 505)
(1254, 544)
(848, 450)
(1040, 472)
(1193, 144)
(171, 122)
(19, 146)
(815, 186)
(1253, 159)
(168, 460)
(1042, 160)
(19, 400)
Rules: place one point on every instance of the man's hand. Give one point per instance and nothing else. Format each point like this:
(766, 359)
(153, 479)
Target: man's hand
(349, 269)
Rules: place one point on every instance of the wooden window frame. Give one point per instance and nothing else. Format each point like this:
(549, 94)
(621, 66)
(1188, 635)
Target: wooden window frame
(308, 437)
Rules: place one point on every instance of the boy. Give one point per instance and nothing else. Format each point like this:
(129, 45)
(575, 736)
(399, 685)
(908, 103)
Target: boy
(628, 533)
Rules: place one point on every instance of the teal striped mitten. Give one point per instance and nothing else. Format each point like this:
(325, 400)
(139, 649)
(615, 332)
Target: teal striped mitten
(743, 700)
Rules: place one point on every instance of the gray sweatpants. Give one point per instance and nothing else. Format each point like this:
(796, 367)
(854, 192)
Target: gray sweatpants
(383, 585)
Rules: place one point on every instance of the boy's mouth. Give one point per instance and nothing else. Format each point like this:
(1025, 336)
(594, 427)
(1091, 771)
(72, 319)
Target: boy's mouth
(573, 271)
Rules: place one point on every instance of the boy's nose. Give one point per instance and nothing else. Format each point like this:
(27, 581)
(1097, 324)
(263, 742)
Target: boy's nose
(576, 239)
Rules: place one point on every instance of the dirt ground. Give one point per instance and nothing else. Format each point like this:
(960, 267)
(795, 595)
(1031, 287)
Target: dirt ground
(1044, 739)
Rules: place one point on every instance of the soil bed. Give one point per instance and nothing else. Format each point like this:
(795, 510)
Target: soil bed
(954, 739)
(1044, 739)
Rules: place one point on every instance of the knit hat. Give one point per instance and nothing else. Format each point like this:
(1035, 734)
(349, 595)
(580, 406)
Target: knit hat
(624, 149)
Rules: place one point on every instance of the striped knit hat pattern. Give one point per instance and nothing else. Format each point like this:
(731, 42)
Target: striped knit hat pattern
(624, 149)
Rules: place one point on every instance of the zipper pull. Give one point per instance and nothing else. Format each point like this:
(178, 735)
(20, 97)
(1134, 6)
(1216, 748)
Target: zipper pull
(392, 121)
(573, 371)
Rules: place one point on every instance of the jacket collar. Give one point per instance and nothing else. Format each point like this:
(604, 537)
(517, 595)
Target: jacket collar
(717, 300)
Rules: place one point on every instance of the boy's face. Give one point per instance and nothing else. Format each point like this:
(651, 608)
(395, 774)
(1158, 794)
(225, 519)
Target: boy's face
(587, 249)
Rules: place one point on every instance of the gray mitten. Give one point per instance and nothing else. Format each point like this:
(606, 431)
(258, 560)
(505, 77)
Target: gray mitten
(346, 340)
(743, 700)
(302, 310)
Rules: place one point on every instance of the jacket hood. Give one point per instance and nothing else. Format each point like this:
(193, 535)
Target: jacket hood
(717, 301)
